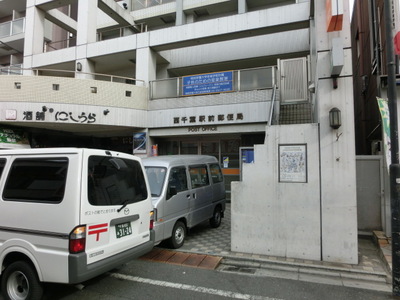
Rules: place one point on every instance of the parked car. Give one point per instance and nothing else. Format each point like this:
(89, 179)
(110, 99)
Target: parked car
(68, 215)
(186, 190)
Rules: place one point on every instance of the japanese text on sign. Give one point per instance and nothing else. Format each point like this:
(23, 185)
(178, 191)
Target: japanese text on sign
(208, 83)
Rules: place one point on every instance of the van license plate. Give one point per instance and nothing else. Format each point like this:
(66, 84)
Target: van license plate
(123, 229)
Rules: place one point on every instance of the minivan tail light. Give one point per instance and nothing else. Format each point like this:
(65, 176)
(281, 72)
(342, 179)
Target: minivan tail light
(77, 240)
(152, 219)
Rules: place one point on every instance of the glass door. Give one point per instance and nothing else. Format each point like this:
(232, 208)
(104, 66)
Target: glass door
(189, 148)
(210, 148)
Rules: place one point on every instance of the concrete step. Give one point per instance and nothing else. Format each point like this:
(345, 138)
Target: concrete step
(370, 280)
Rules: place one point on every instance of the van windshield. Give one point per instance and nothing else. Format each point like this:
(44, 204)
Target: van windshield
(156, 177)
(115, 181)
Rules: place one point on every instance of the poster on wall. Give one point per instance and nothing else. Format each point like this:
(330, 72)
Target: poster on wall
(13, 139)
(207, 83)
(139, 143)
(384, 109)
(293, 163)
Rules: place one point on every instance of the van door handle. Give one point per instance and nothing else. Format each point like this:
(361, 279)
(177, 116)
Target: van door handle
(194, 196)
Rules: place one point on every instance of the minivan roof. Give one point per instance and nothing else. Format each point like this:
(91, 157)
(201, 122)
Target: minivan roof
(55, 150)
(174, 160)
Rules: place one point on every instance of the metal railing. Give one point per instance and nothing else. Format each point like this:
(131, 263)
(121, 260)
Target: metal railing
(243, 80)
(57, 45)
(12, 27)
(121, 31)
(101, 36)
(11, 70)
(14, 70)
(140, 4)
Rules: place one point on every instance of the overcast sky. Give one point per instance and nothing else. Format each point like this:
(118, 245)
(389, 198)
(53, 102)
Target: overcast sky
(351, 3)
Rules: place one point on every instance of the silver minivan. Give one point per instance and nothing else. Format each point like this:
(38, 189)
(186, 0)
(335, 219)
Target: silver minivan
(186, 190)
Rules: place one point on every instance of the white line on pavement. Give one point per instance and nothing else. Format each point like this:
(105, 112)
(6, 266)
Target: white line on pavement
(228, 294)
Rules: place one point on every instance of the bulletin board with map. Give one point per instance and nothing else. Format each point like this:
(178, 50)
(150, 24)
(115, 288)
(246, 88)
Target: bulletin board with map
(293, 163)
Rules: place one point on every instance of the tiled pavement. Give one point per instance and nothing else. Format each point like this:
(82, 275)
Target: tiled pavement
(217, 241)
(213, 245)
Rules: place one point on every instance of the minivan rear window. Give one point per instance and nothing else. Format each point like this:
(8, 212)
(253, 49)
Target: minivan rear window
(37, 179)
(115, 181)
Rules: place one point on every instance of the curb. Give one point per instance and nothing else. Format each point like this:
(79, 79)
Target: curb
(267, 263)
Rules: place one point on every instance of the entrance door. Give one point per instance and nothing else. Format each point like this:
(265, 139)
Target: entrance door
(293, 80)
(210, 148)
(189, 148)
(369, 193)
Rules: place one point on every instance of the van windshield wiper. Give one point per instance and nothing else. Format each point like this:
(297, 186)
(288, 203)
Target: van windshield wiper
(124, 204)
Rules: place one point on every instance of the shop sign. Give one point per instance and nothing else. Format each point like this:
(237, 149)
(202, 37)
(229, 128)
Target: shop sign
(207, 83)
(59, 116)
(12, 137)
(208, 119)
(210, 128)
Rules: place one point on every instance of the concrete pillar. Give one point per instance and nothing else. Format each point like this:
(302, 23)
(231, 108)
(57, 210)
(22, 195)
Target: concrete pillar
(180, 14)
(84, 69)
(242, 6)
(87, 23)
(146, 65)
(87, 14)
(34, 38)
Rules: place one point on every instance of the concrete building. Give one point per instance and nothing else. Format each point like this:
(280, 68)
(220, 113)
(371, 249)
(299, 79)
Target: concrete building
(220, 77)
(370, 81)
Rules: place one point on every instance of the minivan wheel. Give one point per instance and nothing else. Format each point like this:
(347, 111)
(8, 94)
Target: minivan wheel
(20, 281)
(216, 219)
(178, 235)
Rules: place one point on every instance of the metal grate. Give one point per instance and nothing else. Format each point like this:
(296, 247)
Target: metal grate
(295, 114)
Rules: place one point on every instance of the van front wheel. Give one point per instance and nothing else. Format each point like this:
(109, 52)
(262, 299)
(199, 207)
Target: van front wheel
(216, 219)
(20, 281)
(178, 235)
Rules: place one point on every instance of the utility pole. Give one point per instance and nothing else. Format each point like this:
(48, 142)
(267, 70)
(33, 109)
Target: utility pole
(394, 149)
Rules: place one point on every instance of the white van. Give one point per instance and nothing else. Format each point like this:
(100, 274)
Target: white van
(68, 215)
(186, 190)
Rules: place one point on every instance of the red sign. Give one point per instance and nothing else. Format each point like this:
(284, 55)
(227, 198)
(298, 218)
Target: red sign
(97, 229)
(397, 43)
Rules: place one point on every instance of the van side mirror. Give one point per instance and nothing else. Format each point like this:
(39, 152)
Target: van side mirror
(172, 191)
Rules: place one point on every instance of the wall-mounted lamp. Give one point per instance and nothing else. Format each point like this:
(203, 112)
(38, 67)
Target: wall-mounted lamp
(105, 112)
(335, 118)
(79, 66)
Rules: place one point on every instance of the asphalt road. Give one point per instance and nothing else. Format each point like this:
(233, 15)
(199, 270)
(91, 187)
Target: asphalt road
(152, 280)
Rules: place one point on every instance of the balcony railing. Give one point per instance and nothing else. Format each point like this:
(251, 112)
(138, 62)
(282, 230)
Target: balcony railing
(243, 80)
(121, 31)
(11, 70)
(140, 4)
(57, 45)
(12, 27)
(101, 36)
(18, 70)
